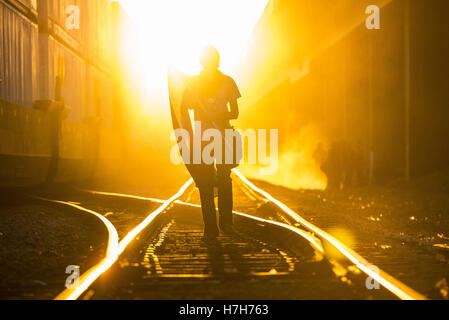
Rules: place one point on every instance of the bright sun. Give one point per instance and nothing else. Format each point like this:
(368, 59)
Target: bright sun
(172, 33)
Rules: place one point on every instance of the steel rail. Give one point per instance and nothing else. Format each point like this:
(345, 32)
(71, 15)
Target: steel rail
(94, 272)
(315, 242)
(396, 287)
(314, 235)
(115, 248)
(122, 195)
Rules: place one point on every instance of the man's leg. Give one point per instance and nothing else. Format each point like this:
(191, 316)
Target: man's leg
(225, 201)
(203, 175)
(209, 211)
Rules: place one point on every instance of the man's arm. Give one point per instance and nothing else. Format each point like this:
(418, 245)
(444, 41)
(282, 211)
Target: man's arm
(234, 95)
(234, 113)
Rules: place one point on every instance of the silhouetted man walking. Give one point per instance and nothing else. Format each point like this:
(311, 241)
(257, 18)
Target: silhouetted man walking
(213, 97)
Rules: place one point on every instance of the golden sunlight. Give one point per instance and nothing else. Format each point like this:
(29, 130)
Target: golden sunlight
(172, 33)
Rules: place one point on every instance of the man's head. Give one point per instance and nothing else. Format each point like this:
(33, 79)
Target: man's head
(210, 58)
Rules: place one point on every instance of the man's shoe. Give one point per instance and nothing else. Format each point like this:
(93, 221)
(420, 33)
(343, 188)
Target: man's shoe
(209, 239)
(227, 230)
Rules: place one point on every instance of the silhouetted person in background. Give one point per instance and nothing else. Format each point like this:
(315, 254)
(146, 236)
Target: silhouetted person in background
(213, 97)
(334, 165)
(320, 155)
(359, 165)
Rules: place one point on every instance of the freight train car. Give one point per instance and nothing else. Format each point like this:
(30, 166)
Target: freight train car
(376, 95)
(56, 91)
(18, 49)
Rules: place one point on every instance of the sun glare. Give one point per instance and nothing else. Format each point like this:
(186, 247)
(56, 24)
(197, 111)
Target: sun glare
(172, 33)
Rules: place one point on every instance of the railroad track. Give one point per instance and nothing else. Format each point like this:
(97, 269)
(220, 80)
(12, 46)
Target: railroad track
(285, 257)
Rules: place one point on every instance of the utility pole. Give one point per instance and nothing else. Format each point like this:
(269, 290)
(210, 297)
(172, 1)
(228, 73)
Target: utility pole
(56, 115)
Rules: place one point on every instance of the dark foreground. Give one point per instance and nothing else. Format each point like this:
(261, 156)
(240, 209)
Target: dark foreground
(400, 228)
